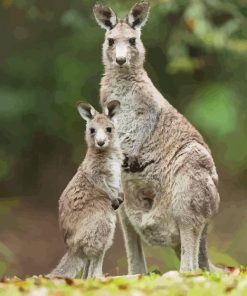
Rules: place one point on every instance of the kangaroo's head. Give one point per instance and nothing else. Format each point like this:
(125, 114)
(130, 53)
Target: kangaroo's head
(123, 46)
(100, 130)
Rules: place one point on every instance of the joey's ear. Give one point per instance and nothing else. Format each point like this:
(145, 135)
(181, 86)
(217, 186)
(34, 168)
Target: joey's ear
(138, 14)
(104, 16)
(86, 111)
(112, 108)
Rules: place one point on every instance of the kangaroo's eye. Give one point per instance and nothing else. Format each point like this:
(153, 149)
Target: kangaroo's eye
(132, 41)
(111, 41)
(109, 129)
(92, 130)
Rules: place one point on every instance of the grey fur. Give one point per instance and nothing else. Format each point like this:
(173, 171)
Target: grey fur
(86, 216)
(170, 182)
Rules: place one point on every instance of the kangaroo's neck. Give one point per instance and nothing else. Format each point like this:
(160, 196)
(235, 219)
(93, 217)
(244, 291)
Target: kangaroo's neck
(132, 74)
(124, 84)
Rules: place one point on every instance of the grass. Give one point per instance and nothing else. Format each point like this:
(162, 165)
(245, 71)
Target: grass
(172, 283)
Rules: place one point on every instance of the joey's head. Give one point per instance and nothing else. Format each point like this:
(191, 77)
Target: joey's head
(100, 129)
(123, 47)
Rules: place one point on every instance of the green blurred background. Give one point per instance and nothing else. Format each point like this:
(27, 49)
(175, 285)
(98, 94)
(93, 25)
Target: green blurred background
(50, 57)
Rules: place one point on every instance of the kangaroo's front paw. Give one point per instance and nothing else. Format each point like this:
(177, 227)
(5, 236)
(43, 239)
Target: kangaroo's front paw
(131, 164)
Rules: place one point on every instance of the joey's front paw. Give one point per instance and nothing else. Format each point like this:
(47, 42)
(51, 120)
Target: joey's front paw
(125, 163)
(116, 203)
(131, 164)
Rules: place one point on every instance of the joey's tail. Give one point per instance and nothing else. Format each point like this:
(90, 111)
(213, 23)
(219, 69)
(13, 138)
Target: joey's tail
(69, 266)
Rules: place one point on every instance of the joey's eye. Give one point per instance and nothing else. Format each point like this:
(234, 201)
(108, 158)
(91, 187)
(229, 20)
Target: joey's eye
(132, 41)
(110, 41)
(109, 129)
(92, 130)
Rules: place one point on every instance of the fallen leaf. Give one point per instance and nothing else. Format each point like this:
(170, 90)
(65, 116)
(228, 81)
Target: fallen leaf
(69, 281)
(123, 286)
(232, 270)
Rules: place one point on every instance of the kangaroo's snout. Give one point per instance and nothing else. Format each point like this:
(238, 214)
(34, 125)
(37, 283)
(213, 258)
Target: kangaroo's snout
(121, 61)
(101, 143)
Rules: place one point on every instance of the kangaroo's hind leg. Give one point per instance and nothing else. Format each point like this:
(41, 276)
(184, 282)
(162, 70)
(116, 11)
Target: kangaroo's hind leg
(204, 261)
(133, 246)
(190, 243)
(203, 251)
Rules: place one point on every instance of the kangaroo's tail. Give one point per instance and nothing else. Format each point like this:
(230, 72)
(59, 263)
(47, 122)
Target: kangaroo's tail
(69, 266)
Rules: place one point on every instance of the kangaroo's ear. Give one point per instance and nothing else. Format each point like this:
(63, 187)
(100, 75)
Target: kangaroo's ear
(138, 14)
(86, 111)
(112, 108)
(104, 16)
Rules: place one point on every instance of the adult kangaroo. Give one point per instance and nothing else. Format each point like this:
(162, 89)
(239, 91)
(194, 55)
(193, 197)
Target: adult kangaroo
(170, 180)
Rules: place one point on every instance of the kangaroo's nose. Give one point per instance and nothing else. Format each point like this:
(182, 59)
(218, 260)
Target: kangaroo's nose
(101, 143)
(121, 61)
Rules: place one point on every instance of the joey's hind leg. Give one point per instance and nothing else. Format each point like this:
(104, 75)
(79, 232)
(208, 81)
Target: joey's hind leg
(190, 242)
(95, 269)
(68, 266)
(133, 246)
(85, 269)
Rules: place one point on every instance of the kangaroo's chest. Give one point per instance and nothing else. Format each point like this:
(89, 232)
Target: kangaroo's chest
(127, 119)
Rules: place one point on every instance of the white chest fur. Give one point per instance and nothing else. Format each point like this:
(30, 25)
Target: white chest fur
(114, 167)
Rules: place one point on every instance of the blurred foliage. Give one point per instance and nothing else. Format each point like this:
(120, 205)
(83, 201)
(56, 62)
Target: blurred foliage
(6, 256)
(51, 57)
